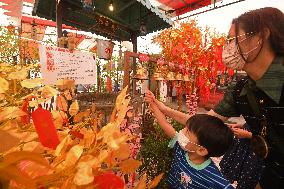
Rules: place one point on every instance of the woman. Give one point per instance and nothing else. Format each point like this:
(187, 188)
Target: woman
(256, 45)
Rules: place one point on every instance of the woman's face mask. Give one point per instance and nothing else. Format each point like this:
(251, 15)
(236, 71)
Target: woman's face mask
(231, 56)
(183, 141)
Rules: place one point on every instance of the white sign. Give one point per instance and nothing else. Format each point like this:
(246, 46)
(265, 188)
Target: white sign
(59, 63)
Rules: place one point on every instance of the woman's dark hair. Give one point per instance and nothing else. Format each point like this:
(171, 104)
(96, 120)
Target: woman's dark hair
(256, 21)
(211, 133)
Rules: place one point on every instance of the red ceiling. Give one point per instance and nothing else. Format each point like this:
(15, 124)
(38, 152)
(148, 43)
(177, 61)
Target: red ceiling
(183, 6)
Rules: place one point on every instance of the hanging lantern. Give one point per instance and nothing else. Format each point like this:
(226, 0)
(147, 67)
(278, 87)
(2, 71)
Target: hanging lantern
(158, 76)
(186, 78)
(179, 77)
(141, 74)
(171, 76)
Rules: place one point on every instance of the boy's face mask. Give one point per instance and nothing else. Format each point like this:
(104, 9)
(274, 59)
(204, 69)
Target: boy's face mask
(183, 141)
(231, 56)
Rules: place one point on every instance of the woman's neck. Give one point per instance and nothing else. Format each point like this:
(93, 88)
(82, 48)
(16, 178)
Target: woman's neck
(258, 68)
(196, 159)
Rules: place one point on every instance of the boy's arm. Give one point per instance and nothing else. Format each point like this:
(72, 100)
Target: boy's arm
(175, 114)
(168, 128)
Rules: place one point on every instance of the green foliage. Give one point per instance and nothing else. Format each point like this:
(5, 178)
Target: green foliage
(155, 153)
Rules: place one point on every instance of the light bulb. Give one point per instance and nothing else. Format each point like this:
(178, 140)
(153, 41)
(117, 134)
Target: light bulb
(110, 7)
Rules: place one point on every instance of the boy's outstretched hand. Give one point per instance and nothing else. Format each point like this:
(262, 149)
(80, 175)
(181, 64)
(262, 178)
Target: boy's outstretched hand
(150, 98)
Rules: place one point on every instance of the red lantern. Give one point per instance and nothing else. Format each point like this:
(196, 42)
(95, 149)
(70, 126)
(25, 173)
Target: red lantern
(108, 181)
(45, 128)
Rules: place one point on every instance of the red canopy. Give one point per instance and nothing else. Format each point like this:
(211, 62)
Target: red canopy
(181, 6)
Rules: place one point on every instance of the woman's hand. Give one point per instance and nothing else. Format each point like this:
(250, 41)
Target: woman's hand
(239, 132)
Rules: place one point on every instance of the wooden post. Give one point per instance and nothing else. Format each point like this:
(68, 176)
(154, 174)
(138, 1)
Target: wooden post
(134, 42)
(59, 17)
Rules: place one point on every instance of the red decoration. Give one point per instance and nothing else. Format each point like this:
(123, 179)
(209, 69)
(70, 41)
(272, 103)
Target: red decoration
(108, 51)
(26, 118)
(76, 134)
(108, 181)
(160, 62)
(109, 84)
(181, 66)
(144, 57)
(171, 65)
(45, 128)
(230, 72)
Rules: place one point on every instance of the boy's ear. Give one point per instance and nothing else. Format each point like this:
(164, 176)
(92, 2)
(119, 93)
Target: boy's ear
(202, 151)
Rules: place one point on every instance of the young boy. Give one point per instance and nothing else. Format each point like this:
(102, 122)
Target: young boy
(203, 137)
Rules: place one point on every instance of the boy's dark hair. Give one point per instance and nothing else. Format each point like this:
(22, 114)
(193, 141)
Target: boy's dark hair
(211, 133)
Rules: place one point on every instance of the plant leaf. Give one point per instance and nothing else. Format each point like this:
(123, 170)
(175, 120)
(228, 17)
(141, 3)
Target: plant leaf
(129, 166)
(7, 141)
(13, 173)
(142, 182)
(15, 157)
(155, 181)
(121, 97)
(74, 108)
(81, 115)
(61, 103)
(73, 155)
(84, 174)
(48, 91)
(4, 85)
(31, 83)
(11, 112)
(19, 75)
(123, 152)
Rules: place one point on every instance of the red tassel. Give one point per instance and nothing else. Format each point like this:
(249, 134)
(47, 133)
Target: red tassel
(26, 118)
(45, 128)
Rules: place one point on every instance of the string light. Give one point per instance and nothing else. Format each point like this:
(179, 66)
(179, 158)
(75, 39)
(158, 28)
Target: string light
(110, 7)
